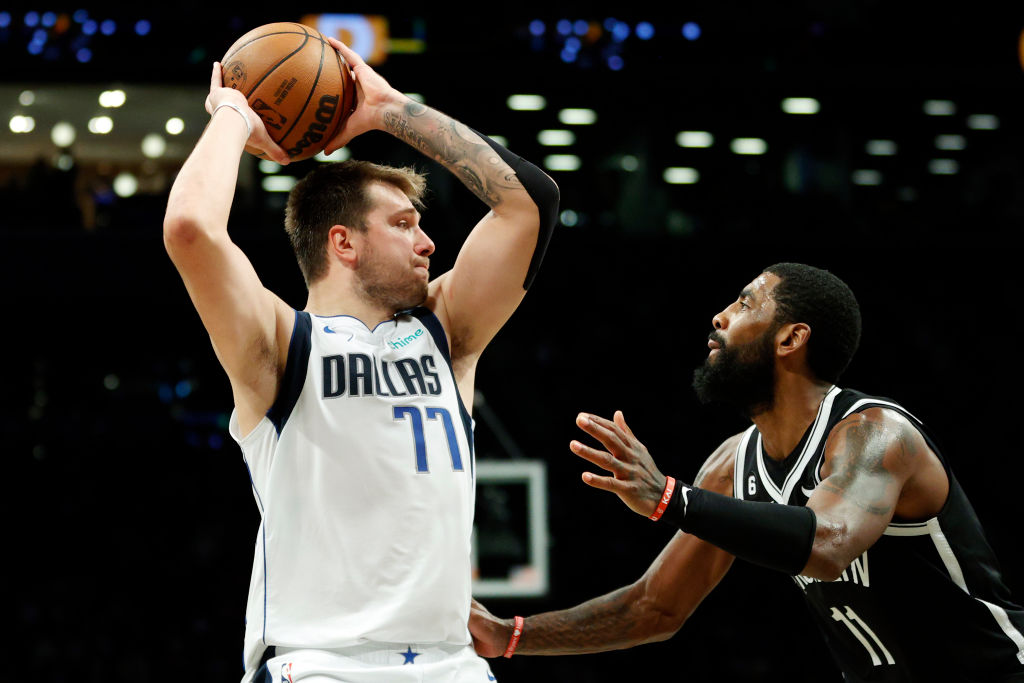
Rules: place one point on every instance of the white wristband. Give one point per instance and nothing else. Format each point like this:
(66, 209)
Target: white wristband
(232, 105)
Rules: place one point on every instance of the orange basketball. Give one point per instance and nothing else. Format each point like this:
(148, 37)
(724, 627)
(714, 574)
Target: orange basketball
(298, 84)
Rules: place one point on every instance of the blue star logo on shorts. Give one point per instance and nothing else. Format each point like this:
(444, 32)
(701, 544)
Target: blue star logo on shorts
(409, 655)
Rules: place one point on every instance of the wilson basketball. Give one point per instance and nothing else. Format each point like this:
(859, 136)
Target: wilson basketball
(298, 84)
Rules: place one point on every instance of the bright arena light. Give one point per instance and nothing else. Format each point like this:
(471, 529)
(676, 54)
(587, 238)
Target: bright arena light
(680, 175)
(26, 98)
(526, 102)
(748, 146)
(950, 142)
(101, 125)
(556, 138)
(982, 122)
(800, 105)
(62, 134)
(577, 117)
(866, 176)
(111, 99)
(269, 167)
(174, 126)
(125, 184)
(943, 166)
(342, 154)
(154, 145)
(695, 138)
(880, 148)
(279, 183)
(22, 124)
(562, 162)
(939, 107)
(500, 139)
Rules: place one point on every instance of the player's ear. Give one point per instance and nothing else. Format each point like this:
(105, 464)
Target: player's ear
(792, 337)
(340, 244)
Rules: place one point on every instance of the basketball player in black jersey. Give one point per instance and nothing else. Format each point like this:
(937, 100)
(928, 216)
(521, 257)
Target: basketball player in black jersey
(844, 492)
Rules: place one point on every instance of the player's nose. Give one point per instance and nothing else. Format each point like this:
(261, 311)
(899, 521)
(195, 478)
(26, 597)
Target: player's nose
(424, 245)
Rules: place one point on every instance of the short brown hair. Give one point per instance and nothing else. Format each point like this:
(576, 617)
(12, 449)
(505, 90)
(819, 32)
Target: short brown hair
(337, 194)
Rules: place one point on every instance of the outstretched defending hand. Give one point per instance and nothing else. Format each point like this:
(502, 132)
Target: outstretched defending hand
(490, 634)
(373, 93)
(636, 479)
(259, 142)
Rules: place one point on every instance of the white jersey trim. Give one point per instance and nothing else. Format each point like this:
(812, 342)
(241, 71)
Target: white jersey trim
(794, 476)
(737, 470)
(932, 528)
(863, 401)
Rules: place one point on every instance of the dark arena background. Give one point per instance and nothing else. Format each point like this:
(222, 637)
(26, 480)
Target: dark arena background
(693, 145)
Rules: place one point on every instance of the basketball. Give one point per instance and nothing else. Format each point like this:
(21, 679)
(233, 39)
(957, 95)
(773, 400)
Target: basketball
(298, 84)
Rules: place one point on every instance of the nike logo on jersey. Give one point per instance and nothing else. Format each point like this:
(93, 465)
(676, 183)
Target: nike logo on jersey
(490, 677)
(327, 329)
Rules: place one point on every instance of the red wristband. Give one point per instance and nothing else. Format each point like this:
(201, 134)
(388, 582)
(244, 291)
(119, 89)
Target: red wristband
(517, 632)
(666, 496)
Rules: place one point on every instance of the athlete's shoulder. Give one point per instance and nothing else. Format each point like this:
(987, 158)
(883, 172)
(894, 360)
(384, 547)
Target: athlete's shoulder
(717, 472)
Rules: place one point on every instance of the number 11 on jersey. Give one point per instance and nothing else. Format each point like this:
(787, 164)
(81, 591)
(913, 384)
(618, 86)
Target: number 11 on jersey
(851, 621)
(416, 418)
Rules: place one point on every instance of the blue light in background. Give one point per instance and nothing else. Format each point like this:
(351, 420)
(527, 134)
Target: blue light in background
(615, 63)
(89, 27)
(142, 27)
(83, 55)
(573, 43)
(165, 393)
(35, 47)
(645, 30)
(31, 19)
(108, 27)
(537, 28)
(581, 27)
(610, 23)
(5, 19)
(691, 31)
(80, 16)
(568, 55)
(620, 32)
(183, 388)
(39, 36)
(49, 19)
(564, 27)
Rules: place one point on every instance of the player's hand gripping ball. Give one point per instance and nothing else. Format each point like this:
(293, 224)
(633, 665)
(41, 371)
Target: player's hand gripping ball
(299, 85)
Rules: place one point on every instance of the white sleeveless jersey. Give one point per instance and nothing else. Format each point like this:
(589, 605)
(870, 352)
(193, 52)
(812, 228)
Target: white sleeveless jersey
(363, 474)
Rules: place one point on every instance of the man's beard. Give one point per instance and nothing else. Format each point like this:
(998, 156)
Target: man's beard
(388, 285)
(741, 376)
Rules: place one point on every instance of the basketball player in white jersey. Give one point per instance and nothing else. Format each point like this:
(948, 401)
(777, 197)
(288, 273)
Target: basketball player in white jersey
(350, 412)
(846, 493)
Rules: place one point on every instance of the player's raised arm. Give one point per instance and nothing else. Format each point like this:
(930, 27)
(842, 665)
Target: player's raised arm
(651, 609)
(501, 255)
(246, 322)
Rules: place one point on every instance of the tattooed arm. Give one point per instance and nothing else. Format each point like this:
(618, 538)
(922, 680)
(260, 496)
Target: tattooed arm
(877, 466)
(652, 609)
(478, 295)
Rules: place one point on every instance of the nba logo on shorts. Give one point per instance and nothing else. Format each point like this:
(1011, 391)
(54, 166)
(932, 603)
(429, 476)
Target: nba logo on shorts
(286, 672)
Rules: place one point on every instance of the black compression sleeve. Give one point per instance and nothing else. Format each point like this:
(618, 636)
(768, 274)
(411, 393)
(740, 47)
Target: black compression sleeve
(775, 536)
(544, 193)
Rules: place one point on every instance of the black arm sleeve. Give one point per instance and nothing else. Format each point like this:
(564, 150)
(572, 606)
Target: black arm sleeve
(544, 193)
(779, 537)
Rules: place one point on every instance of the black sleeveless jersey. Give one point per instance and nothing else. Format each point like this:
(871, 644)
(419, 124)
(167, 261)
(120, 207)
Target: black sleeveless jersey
(926, 602)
